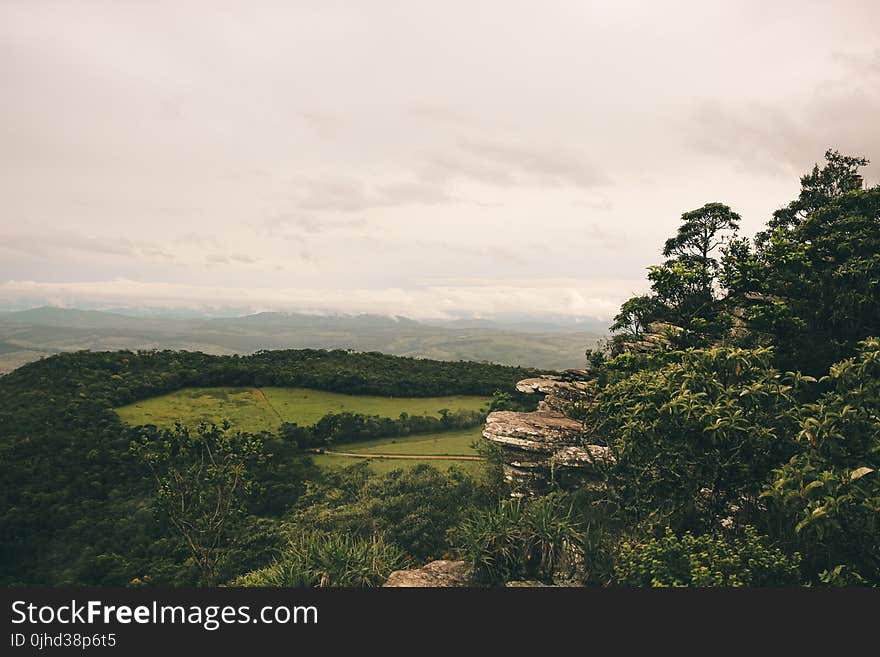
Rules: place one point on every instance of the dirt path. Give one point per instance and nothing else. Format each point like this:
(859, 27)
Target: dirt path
(419, 457)
(260, 395)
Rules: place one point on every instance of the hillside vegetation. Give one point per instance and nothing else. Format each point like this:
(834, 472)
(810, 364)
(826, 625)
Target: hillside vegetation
(78, 500)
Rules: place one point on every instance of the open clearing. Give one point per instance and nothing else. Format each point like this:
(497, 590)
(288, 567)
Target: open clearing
(448, 443)
(264, 409)
(381, 465)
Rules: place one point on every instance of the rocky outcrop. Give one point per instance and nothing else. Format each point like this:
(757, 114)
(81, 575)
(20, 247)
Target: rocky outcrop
(434, 574)
(543, 445)
(547, 444)
(559, 394)
(540, 431)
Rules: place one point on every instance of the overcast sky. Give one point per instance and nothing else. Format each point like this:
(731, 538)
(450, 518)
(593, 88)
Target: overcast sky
(428, 159)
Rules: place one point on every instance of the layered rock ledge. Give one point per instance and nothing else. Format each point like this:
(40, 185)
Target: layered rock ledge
(547, 444)
(543, 445)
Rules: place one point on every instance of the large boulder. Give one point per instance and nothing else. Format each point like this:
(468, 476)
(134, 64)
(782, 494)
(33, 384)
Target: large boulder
(434, 574)
(539, 431)
(543, 445)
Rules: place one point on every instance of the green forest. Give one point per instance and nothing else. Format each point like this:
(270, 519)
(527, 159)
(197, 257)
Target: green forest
(740, 399)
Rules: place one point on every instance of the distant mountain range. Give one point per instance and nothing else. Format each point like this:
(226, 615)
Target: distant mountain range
(27, 335)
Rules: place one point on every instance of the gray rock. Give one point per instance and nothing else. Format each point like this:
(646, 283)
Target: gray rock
(537, 431)
(434, 574)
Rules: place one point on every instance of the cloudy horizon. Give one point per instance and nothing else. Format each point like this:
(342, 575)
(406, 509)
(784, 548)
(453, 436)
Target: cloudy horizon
(426, 159)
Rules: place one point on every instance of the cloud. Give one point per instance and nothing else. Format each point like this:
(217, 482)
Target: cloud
(506, 163)
(295, 224)
(597, 299)
(326, 124)
(352, 195)
(50, 240)
(788, 137)
(446, 115)
(229, 259)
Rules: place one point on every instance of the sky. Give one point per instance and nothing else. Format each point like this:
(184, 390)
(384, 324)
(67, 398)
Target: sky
(480, 158)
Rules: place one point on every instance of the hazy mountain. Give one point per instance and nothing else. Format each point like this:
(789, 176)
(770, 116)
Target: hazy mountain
(26, 335)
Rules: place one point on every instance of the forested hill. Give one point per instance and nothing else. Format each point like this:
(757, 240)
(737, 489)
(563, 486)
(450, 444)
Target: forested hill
(123, 376)
(74, 504)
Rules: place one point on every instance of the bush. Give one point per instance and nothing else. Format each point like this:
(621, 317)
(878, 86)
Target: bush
(414, 509)
(519, 540)
(707, 560)
(825, 501)
(696, 437)
(317, 559)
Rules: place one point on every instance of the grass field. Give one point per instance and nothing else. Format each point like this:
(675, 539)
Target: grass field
(381, 466)
(448, 443)
(264, 409)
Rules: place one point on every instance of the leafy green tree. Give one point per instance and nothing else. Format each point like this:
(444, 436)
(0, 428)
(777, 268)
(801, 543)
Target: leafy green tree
(202, 481)
(839, 175)
(701, 233)
(634, 316)
(810, 285)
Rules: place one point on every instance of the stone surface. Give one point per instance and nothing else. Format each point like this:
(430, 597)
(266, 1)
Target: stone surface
(587, 455)
(545, 385)
(540, 431)
(546, 445)
(576, 375)
(434, 574)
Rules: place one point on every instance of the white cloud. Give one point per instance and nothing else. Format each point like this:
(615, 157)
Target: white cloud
(343, 155)
(572, 298)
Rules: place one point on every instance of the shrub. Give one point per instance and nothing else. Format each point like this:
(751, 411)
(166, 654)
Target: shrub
(696, 436)
(519, 540)
(707, 560)
(317, 559)
(826, 500)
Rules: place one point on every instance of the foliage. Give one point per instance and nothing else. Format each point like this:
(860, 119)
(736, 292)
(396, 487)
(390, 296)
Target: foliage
(701, 232)
(202, 479)
(414, 509)
(338, 428)
(826, 499)
(75, 503)
(839, 176)
(319, 559)
(634, 316)
(707, 560)
(813, 289)
(540, 539)
(696, 437)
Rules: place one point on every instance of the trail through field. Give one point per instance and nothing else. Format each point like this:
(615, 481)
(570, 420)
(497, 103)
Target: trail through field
(262, 396)
(405, 457)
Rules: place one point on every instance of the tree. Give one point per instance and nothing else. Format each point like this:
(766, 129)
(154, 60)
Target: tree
(701, 232)
(810, 284)
(839, 176)
(202, 481)
(634, 316)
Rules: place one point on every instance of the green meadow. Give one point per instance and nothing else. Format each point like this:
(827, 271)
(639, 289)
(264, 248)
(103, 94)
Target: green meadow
(447, 443)
(382, 466)
(264, 409)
